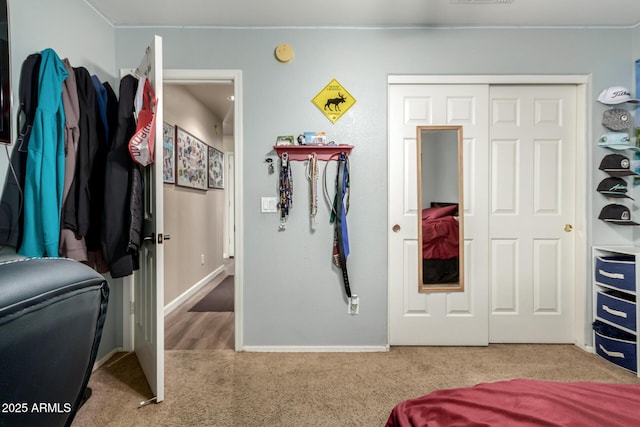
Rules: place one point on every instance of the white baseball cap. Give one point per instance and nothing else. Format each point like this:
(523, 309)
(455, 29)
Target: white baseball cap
(616, 95)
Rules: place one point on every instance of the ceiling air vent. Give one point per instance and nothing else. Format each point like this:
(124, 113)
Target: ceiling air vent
(480, 1)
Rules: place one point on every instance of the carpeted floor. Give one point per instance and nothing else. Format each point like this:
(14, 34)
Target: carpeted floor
(225, 388)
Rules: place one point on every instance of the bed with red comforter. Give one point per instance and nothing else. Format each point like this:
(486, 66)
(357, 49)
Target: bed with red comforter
(440, 247)
(523, 402)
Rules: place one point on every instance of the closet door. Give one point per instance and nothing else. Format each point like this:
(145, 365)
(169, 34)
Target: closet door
(532, 192)
(148, 323)
(443, 318)
(519, 211)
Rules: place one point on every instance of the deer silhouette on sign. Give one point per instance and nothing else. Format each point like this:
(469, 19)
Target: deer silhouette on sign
(335, 102)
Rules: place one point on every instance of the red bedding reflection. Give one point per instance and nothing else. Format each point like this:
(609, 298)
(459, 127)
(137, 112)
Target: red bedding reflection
(523, 403)
(440, 238)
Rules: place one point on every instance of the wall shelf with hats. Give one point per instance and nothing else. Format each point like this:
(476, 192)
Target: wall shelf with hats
(302, 152)
(615, 310)
(618, 138)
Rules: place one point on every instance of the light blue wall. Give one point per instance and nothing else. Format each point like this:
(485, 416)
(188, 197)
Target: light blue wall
(74, 31)
(292, 294)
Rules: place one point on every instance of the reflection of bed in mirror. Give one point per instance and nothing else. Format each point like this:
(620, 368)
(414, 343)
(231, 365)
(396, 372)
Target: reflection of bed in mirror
(440, 248)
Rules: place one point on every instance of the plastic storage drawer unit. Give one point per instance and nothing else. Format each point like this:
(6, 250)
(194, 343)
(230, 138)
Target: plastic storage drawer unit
(617, 308)
(616, 346)
(617, 272)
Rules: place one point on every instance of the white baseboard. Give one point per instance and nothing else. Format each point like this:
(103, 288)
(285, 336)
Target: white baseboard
(192, 290)
(315, 349)
(105, 358)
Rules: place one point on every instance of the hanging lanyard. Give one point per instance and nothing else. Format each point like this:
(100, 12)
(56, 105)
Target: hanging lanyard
(286, 190)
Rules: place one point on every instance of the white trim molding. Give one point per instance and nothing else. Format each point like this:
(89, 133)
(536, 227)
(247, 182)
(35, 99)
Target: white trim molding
(192, 290)
(316, 349)
(226, 76)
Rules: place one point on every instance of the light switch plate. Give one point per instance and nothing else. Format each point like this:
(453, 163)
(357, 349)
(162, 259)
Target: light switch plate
(269, 205)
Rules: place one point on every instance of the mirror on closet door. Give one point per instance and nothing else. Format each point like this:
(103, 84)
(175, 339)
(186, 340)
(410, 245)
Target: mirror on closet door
(441, 218)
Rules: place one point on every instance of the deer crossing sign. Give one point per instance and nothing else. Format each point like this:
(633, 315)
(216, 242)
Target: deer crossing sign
(333, 100)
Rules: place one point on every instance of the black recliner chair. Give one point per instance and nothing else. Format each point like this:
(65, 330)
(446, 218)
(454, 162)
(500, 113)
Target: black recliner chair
(52, 311)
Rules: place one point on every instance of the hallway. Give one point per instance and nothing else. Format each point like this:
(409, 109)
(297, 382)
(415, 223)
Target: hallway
(186, 330)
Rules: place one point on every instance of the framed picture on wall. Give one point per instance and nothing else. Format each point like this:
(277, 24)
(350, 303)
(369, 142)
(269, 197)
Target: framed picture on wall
(191, 160)
(169, 153)
(216, 168)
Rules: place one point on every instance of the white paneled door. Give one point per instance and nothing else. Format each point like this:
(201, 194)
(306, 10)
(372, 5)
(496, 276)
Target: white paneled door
(532, 193)
(148, 320)
(519, 146)
(437, 318)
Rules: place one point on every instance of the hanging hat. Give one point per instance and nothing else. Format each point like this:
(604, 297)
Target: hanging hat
(614, 187)
(616, 214)
(616, 95)
(617, 119)
(616, 141)
(616, 165)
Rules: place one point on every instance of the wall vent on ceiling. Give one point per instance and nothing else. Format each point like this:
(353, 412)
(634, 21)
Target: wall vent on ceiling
(480, 1)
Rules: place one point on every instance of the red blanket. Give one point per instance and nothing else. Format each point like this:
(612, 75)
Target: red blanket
(440, 238)
(523, 403)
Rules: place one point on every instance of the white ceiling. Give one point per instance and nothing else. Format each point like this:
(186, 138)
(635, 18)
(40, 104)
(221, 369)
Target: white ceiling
(370, 13)
(358, 14)
(215, 97)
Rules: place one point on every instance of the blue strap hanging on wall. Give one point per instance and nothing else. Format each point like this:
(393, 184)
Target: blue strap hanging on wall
(341, 239)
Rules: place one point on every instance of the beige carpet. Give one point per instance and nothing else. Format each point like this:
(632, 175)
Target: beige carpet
(224, 388)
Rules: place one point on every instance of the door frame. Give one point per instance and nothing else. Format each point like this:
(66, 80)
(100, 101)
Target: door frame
(187, 76)
(582, 315)
(229, 246)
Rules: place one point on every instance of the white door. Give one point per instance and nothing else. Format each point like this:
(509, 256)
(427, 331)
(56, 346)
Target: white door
(149, 279)
(437, 318)
(518, 196)
(533, 152)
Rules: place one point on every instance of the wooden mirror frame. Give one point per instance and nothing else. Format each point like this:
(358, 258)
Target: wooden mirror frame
(453, 286)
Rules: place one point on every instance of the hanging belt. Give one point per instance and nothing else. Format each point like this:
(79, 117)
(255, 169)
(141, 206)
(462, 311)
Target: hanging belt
(312, 176)
(341, 239)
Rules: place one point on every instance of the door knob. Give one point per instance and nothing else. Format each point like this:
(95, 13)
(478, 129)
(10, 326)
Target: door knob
(568, 228)
(396, 228)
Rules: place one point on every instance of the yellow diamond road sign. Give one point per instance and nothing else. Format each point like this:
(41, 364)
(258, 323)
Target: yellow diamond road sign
(333, 100)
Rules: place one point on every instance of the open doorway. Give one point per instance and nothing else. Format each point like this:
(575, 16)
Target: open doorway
(202, 259)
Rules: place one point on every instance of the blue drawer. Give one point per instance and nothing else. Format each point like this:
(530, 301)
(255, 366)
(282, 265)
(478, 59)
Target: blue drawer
(621, 351)
(617, 271)
(617, 307)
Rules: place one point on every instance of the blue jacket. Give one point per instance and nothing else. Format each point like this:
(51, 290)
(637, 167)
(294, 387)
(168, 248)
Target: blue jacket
(45, 163)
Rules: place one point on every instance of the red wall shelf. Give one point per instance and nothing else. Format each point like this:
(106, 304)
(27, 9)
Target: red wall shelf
(302, 152)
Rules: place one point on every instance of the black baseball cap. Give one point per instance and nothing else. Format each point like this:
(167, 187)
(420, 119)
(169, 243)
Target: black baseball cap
(616, 214)
(616, 165)
(614, 187)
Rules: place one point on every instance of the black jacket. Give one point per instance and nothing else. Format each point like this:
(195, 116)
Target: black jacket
(77, 208)
(122, 221)
(11, 204)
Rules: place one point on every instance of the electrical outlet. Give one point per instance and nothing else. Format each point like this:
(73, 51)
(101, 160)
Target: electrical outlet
(202, 259)
(354, 304)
